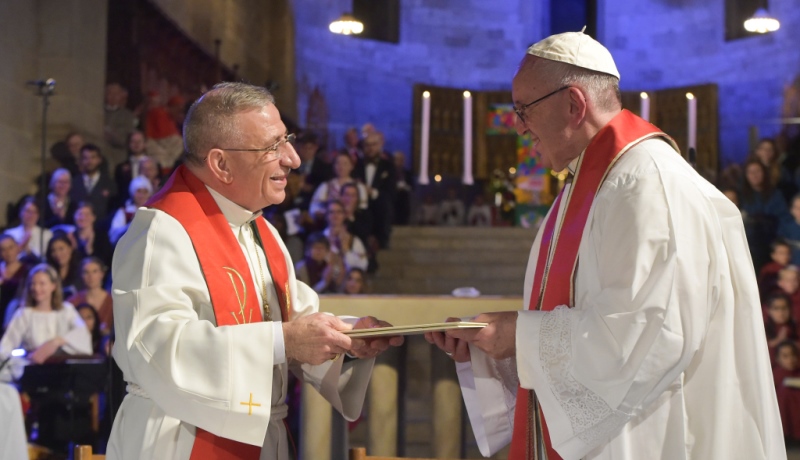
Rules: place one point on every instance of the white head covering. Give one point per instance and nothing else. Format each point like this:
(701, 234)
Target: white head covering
(578, 49)
(139, 182)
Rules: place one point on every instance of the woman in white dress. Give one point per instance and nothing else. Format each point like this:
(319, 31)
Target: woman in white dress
(45, 324)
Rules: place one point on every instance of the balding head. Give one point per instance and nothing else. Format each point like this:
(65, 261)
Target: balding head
(211, 122)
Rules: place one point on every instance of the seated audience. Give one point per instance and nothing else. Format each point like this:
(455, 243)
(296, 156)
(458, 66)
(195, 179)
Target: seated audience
(320, 268)
(90, 240)
(354, 282)
(93, 184)
(789, 230)
(12, 272)
(62, 256)
(331, 189)
(60, 208)
(130, 168)
(93, 272)
(45, 325)
(92, 320)
(767, 153)
(357, 219)
(149, 168)
(480, 213)
(29, 235)
(164, 141)
(350, 248)
(789, 284)
(780, 256)
(779, 324)
(428, 211)
(140, 190)
(313, 170)
(788, 394)
(763, 210)
(67, 152)
(451, 209)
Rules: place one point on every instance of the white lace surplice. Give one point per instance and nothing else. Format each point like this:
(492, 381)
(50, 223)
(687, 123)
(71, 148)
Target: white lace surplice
(663, 354)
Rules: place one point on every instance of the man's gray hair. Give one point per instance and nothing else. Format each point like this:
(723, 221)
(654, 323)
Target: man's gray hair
(601, 88)
(210, 121)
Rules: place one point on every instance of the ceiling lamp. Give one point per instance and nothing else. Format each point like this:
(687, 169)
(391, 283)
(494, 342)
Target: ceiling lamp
(347, 25)
(761, 22)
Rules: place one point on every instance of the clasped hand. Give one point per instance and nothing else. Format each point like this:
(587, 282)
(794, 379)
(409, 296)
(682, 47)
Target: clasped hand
(316, 338)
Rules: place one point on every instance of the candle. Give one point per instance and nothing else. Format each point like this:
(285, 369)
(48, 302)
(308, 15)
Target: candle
(692, 121)
(424, 138)
(644, 109)
(467, 179)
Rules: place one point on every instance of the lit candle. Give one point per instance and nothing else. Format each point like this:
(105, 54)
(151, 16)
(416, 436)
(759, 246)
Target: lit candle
(467, 179)
(424, 138)
(644, 109)
(692, 120)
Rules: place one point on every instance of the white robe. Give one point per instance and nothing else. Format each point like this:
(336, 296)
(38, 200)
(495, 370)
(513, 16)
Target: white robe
(184, 372)
(663, 355)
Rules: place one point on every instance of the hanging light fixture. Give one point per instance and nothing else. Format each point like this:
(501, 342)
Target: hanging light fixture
(346, 25)
(761, 22)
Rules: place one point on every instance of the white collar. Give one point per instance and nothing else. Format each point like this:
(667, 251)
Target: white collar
(236, 215)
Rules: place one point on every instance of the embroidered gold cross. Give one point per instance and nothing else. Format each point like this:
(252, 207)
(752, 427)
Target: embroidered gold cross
(250, 405)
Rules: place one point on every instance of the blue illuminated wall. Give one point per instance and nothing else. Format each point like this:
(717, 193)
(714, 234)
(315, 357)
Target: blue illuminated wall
(668, 43)
(476, 44)
(473, 44)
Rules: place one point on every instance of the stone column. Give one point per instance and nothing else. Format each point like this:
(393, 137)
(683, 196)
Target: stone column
(446, 415)
(315, 425)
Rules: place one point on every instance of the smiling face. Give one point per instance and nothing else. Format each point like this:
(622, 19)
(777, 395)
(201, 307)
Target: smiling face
(61, 252)
(259, 180)
(42, 288)
(9, 249)
(92, 275)
(546, 120)
(354, 283)
(84, 217)
(61, 184)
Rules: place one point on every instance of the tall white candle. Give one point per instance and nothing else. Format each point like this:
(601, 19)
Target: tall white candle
(467, 178)
(692, 121)
(644, 108)
(425, 138)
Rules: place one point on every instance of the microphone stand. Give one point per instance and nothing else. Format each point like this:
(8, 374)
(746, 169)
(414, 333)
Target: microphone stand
(44, 88)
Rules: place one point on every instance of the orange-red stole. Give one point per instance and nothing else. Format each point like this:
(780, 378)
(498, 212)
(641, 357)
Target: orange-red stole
(227, 275)
(553, 281)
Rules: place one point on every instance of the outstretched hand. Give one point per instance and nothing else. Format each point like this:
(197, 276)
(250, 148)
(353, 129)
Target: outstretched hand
(497, 339)
(370, 348)
(455, 348)
(316, 338)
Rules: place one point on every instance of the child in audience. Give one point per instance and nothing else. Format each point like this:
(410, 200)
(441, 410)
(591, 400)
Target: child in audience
(320, 268)
(779, 324)
(768, 275)
(790, 230)
(788, 284)
(355, 282)
(788, 394)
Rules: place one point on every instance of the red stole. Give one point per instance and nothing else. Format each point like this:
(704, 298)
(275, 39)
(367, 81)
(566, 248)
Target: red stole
(553, 281)
(227, 274)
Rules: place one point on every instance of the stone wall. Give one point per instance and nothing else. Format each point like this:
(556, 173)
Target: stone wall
(472, 44)
(60, 39)
(477, 45)
(255, 35)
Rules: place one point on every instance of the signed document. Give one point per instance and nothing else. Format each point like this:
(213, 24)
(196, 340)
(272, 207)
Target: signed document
(412, 329)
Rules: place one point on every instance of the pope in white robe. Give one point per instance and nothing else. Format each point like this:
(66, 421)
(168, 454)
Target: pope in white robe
(658, 349)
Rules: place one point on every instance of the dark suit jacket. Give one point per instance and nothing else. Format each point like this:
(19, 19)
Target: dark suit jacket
(100, 196)
(384, 180)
